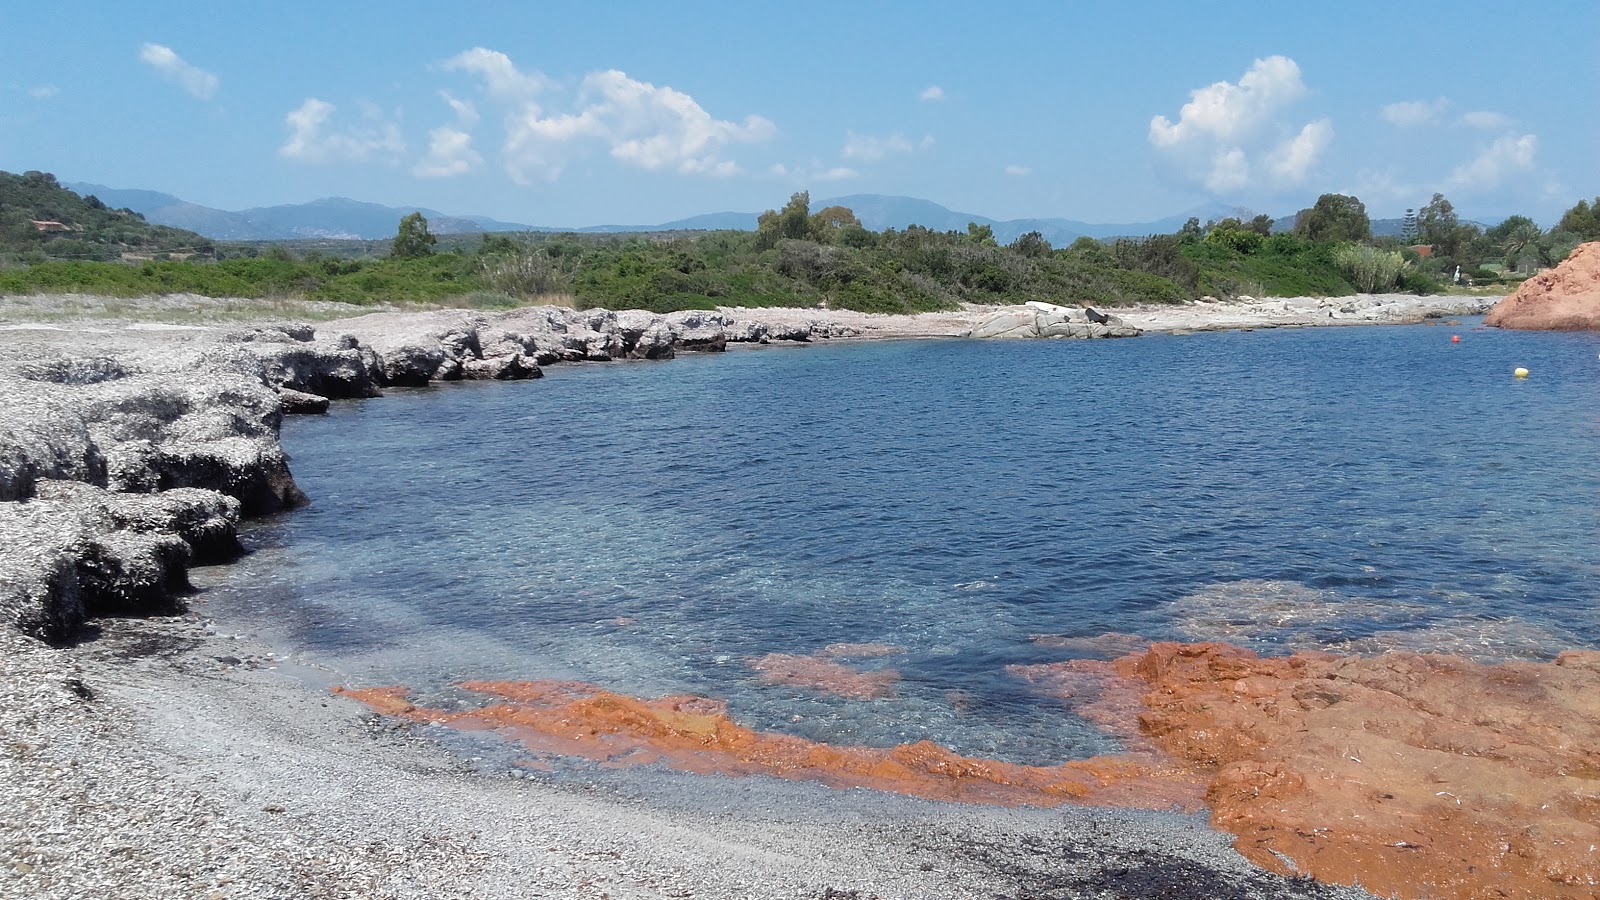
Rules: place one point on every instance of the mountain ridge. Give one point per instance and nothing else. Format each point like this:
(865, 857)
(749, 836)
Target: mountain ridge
(344, 218)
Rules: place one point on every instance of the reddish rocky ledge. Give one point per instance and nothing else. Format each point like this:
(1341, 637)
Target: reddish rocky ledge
(1413, 775)
(1566, 298)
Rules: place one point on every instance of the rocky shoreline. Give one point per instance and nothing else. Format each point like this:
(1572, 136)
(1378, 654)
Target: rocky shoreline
(131, 451)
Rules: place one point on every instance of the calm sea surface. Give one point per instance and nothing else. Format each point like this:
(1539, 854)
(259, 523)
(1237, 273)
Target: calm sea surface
(653, 527)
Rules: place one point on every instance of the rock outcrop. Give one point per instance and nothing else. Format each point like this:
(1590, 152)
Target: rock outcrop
(1046, 320)
(1566, 298)
(124, 462)
(75, 551)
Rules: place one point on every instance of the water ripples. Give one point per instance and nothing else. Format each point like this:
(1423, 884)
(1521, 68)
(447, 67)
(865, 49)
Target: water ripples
(655, 527)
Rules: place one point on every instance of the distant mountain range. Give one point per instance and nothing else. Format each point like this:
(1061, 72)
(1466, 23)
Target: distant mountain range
(342, 218)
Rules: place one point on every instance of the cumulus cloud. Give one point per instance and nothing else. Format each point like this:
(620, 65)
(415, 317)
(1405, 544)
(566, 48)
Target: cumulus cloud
(1411, 113)
(1489, 121)
(642, 125)
(450, 150)
(1018, 171)
(194, 81)
(814, 173)
(464, 110)
(450, 153)
(1510, 156)
(1291, 161)
(867, 148)
(43, 91)
(932, 92)
(1232, 136)
(1228, 111)
(312, 140)
(499, 74)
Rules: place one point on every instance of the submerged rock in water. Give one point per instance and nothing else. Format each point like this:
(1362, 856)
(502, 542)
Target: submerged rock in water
(1566, 298)
(820, 673)
(695, 734)
(1414, 775)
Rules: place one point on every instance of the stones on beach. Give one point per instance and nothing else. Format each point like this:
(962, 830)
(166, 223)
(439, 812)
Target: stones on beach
(1037, 319)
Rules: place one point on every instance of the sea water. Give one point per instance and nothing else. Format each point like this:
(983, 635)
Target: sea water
(655, 528)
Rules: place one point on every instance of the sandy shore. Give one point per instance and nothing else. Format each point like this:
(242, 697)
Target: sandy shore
(166, 759)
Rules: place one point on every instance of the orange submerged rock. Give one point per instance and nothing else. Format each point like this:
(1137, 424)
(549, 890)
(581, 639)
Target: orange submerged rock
(1566, 298)
(695, 734)
(1414, 775)
(825, 675)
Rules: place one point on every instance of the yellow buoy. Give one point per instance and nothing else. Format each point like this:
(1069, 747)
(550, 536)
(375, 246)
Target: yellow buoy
(1520, 372)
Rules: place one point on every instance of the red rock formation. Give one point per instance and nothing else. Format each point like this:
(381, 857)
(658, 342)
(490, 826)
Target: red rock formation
(825, 675)
(1566, 298)
(1416, 775)
(694, 734)
(1413, 775)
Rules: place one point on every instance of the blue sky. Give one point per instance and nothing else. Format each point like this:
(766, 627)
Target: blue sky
(583, 114)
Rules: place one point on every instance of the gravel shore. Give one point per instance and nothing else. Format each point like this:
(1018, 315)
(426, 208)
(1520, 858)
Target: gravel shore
(161, 758)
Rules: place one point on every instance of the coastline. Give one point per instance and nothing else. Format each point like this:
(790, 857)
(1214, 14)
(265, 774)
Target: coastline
(194, 767)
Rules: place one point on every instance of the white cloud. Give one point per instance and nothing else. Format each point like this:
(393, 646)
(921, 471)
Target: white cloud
(311, 141)
(1289, 163)
(450, 153)
(1489, 121)
(814, 173)
(1228, 111)
(1230, 170)
(43, 91)
(450, 150)
(1018, 171)
(932, 92)
(1233, 136)
(194, 81)
(652, 128)
(868, 148)
(837, 173)
(1411, 113)
(1507, 157)
(466, 113)
(499, 74)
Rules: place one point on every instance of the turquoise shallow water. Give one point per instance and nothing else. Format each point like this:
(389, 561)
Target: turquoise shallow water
(652, 527)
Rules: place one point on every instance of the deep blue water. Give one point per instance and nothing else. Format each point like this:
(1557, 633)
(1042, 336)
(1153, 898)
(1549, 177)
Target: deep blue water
(652, 526)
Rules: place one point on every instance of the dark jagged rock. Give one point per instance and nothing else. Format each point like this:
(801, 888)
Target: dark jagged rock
(300, 403)
(76, 551)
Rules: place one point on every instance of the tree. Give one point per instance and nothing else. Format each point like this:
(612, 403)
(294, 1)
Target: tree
(1517, 237)
(1582, 220)
(1408, 226)
(1032, 245)
(1334, 217)
(1437, 222)
(413, 240)
(827, 223)
(982, 235)
(1261, 224)
(792, 222)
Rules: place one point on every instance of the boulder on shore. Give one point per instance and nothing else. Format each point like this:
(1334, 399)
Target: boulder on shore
(1566, 298)
(1046, 320)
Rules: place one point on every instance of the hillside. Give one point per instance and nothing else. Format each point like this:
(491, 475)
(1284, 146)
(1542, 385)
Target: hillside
(330, 217)
(40, 219)
(346, 219)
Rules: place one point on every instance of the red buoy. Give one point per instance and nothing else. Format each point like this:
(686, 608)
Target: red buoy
(1455, 338)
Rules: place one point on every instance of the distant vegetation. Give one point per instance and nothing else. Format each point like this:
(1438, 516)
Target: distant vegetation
(41, 220)
(52, 240)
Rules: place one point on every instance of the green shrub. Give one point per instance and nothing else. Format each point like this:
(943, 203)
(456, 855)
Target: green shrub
(1367, 267)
